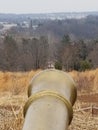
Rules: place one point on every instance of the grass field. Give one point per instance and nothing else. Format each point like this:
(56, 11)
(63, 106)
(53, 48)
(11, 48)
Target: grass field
(13, 95)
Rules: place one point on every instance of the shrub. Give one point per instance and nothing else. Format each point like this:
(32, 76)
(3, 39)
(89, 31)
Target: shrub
(85, 65)
(58, 66)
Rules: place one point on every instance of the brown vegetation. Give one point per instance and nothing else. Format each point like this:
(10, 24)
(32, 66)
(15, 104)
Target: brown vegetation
(13, 95)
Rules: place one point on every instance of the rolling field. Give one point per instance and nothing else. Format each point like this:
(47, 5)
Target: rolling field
(13, 95)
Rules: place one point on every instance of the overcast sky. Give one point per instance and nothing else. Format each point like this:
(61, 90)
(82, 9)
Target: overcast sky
(44, 6)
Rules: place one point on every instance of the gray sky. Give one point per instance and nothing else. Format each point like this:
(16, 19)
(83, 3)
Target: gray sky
(41, 6)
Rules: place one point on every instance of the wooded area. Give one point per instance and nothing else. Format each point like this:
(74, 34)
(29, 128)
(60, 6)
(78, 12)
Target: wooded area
(69, 44)
(27, 54)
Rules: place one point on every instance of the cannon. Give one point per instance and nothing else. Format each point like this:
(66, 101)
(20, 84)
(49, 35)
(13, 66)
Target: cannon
(52, 93)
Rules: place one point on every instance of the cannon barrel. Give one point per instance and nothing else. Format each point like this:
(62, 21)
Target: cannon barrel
(52, 94)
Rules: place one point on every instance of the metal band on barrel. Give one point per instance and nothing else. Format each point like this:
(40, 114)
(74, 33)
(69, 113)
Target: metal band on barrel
(53, 94)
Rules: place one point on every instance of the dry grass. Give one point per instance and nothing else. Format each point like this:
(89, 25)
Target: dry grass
(15, 83)
(87, 82)
(13, 95)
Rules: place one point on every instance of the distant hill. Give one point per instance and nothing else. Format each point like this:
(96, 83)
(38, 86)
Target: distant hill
(52, 16)
(84, 28)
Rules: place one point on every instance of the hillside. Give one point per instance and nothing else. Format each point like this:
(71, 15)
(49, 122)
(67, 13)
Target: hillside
(31, 43)
(13, 94)
(83, 28)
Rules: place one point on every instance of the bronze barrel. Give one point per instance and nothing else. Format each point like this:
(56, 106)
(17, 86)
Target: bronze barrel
(52, 94)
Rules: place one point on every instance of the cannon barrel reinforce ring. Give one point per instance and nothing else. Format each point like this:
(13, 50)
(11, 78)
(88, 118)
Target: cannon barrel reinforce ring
(40, 94)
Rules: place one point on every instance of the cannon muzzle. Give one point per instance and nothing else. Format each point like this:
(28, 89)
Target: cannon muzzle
(52, 94)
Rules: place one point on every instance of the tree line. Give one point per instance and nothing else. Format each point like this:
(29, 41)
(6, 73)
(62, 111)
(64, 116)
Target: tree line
(34, 53)
(23, 55)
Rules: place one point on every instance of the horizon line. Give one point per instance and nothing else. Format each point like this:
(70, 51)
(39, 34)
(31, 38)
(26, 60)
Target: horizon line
(54, 12)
